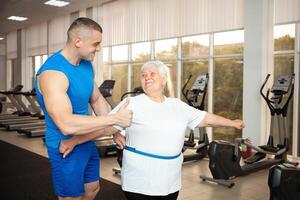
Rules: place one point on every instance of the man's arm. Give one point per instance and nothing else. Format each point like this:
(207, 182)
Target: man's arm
(67, 146)
(98, 102)
(213, 120)
(53, 85)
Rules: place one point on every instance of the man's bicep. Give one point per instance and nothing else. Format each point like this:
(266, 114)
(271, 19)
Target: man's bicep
(58, 105)
(53, 86)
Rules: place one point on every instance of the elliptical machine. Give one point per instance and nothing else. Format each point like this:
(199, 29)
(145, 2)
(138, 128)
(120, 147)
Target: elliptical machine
(195, 97)
(224, 157)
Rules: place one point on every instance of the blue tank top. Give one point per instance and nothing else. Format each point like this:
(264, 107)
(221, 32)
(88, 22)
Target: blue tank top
(81, 85)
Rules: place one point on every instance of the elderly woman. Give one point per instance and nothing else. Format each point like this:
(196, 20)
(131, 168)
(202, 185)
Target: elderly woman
(152, 158)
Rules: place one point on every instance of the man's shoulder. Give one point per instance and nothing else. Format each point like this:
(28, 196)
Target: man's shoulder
(54, 58)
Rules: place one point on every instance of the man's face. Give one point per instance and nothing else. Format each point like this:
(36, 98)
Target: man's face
(90, 45)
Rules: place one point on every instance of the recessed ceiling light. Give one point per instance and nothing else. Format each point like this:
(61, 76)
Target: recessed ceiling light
(1, 38)
(17, 18)
(57, 3)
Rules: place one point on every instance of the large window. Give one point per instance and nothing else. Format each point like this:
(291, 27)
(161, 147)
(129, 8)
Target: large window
(120, 53)
(120, 75)
(173, 72)
(105, 70)
(193, 68)
(166, 49)
(284, 37)
(228, 81)
(140, 54)
(228, 42)
(135, 78)
(284, 46)
(119, 71)
(194, 59)
(37, 61)
(141, 51)
(228, 94)
(105, 66)
(195, 46)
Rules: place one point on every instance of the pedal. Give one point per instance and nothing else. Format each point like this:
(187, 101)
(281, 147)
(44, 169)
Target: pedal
(270, 148)
(255, 158)
(189, 144)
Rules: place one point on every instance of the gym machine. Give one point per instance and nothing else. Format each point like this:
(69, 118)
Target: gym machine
(106, 145)
(224, 157)
(284, 182)
(195, 97)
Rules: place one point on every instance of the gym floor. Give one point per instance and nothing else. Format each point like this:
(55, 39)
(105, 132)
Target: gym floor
(251, 187)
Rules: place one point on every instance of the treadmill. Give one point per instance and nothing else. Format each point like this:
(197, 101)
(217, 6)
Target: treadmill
(33, 116)
(13, 101)
(105, 145)
(34, 128)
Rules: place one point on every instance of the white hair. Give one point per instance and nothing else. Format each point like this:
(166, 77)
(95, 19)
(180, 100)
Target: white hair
(164, 71)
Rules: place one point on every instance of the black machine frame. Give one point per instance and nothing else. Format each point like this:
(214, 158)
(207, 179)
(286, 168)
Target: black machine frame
(225, 157)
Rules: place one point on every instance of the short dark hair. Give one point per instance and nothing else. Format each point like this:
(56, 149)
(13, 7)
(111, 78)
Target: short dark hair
(84, 22)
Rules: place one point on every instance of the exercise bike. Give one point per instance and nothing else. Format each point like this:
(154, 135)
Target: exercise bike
(195, 97)
(224, 157)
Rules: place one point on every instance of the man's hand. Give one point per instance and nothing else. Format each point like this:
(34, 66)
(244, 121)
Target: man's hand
(120, 140)
(239, 124)
(124, 116)
(66, 146)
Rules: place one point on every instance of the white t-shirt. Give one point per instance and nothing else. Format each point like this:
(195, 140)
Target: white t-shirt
(157, 128)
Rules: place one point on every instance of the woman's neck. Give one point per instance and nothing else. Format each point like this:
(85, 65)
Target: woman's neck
(157, 97)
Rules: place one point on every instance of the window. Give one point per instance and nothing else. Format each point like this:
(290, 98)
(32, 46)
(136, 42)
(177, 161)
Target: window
(140, 54)
(105, 71)
(166, 49)
(135, 78)
(38, 61)
(229, 42)
(194, 68)
(173, 71)
(195, 46)
(105, 52)
(284, 65)
(141, 51)
(120, 53)
(228, 94)
(284, 37)
(284, 48)
(120, 75)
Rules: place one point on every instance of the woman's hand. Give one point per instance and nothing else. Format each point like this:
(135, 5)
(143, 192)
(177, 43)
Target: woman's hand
(239, 124)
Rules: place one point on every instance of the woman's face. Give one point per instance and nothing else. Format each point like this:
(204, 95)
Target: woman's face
(152, 81)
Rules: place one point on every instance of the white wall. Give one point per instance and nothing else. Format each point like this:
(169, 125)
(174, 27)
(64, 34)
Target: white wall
(258, 61)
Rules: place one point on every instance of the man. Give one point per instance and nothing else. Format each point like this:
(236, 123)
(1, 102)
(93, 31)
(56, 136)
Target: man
(65, 86)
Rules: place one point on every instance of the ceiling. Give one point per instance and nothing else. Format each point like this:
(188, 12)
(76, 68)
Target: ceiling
(36, 12)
